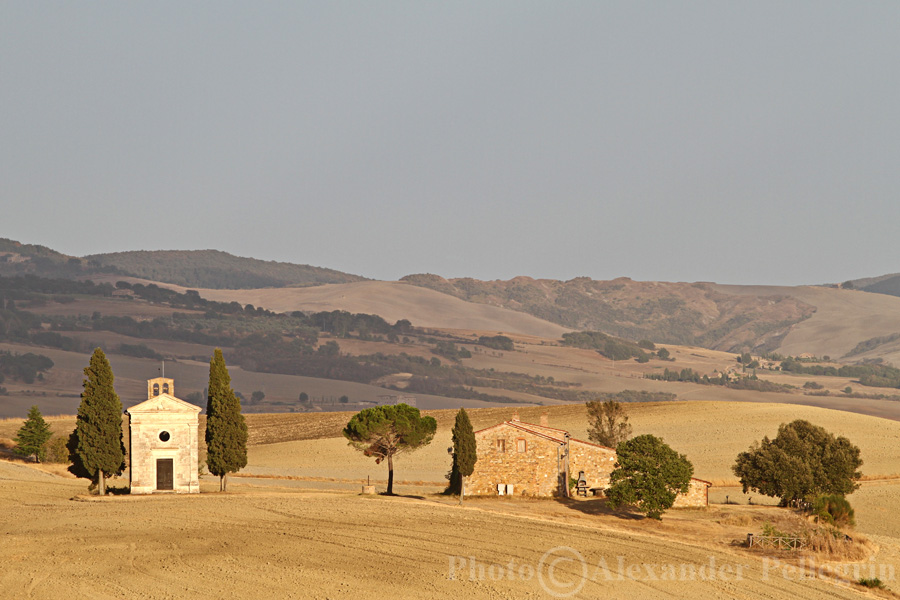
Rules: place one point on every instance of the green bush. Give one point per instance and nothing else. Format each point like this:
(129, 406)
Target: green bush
(648, 475)
(833, 509)
(812, 385)
(871, 582)
(769, 530)
(56, 452)
(497, 342)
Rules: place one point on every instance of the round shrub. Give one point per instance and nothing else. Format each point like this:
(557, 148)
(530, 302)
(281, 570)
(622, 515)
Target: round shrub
(833, 509)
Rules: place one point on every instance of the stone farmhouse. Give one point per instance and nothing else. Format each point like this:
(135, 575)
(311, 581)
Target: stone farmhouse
(162, 442)
(537, 460)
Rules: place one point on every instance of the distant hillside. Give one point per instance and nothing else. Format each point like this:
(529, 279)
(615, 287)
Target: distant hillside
(216, 269)
(673, 313)
(885, 284)
(393, 301)
(189, 268)
(847, 323)
(17, 258)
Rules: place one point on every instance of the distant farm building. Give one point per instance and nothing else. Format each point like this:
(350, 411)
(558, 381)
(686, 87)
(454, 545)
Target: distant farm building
(394, 399)
(537, 460)
(162, 442)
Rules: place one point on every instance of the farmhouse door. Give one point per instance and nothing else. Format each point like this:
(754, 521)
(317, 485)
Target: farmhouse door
(165, 474)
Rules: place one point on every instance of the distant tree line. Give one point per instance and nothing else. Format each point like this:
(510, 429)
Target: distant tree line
(23, 367)
(451, 351)
(741, 383)
(611, 347)
(870, 374)
(497, 342)
(872, 343)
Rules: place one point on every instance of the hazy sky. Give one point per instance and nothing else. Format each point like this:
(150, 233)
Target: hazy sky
(748, 142)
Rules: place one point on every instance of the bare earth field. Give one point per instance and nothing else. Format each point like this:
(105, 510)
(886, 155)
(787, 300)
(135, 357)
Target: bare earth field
(277, 534)
(393, 301)
(267, 543)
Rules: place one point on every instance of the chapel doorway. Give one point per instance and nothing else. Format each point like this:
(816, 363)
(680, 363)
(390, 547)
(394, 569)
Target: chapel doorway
(165, 469)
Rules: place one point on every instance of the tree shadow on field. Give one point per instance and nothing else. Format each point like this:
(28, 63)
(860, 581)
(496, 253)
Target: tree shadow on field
(412, 496)
(599, 506)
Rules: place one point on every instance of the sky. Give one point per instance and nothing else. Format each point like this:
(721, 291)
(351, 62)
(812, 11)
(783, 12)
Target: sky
(753, 142)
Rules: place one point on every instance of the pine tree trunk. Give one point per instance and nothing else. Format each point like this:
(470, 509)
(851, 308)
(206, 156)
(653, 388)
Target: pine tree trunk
(390, 490)
(101, 484)
(462, 489)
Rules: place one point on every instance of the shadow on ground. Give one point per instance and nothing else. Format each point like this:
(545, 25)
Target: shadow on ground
(598, 506)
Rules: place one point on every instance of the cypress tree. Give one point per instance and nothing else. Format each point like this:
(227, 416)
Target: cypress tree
(465, 452)
(32, 436)
(96, 447)
(226, 429)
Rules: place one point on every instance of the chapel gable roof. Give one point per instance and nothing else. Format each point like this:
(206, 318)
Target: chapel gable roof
(164, 403)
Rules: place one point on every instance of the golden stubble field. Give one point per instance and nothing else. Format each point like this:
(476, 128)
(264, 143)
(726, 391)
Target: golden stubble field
(280, 543)
(288, 537)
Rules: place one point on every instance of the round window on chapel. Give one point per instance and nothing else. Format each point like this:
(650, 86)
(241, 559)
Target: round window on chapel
(164, 436)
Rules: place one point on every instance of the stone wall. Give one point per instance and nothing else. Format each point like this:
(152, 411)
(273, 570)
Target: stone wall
(531, 473)
(697, 496)
(535, 472)
(597, 462)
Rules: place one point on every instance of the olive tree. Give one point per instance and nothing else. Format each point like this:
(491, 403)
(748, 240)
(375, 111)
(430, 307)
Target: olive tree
(802, 462)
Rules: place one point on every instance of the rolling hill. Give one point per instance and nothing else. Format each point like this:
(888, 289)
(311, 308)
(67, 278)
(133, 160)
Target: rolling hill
(393, 301)
(216, 269)
(842, 320)
(884, 284)
(188, 268)
(845, 324)
(673, 313)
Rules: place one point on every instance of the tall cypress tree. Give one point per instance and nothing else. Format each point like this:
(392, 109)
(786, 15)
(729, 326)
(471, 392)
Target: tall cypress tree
(96, 447)
(465, 451)
(33, 434)
(226, 429)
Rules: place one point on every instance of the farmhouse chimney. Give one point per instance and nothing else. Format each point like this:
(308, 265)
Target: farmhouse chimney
(515, 416)
(545, 419)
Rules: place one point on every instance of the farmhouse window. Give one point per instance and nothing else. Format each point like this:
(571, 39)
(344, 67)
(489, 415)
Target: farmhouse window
(501, 445)
(521, 445)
